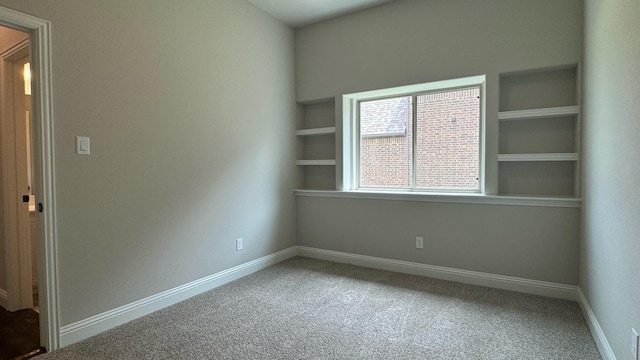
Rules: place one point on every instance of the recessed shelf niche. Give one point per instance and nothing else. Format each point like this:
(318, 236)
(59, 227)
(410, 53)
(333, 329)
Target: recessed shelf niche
(539, 133)
(316, 145)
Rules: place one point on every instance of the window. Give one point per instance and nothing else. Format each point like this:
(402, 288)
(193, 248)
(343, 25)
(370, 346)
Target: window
(426, 137)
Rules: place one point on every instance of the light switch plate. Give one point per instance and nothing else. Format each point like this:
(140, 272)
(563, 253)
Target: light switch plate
(83, 145)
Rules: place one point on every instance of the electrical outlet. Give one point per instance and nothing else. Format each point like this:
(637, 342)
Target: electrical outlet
(634, 343)
(239, 244)
(419, 242)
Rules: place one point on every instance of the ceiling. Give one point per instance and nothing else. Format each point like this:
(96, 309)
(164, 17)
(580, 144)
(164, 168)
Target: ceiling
(297, 13)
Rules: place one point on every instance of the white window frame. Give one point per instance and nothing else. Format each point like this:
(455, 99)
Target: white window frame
(350, 133)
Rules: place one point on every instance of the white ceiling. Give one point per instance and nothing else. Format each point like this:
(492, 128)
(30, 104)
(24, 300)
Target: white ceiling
(297, 13)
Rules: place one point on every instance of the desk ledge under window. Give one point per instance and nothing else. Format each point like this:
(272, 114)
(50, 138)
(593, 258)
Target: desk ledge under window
(447, 198)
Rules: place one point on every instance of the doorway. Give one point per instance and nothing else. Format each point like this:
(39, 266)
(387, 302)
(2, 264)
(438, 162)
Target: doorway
(19, 265)
(43, 184)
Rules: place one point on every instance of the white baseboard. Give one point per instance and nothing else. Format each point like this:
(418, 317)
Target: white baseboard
(96, 324)
(3, 298)
(543, 288)
(596, 330)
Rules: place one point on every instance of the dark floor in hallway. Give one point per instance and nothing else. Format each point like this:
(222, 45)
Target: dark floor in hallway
(19, 334)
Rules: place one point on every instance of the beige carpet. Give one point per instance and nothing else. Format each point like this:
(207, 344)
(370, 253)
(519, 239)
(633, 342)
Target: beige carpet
(311, 309)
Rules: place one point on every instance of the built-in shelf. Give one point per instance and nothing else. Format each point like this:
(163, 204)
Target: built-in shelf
(511, 200)
(316, 145)
(539, 157)
(539, 133)
(538, 113)
(316, 131)
(316, 162)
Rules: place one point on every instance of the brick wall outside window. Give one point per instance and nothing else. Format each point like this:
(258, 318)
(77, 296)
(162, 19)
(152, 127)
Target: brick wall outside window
(447, 141)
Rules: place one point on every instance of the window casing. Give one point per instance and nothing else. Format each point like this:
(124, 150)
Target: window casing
(417, 138)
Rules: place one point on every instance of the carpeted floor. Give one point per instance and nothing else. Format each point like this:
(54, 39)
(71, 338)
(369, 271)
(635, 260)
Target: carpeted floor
(19, 333)
(311, 309)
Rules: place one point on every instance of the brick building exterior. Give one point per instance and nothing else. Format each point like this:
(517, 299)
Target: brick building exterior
(447, 141)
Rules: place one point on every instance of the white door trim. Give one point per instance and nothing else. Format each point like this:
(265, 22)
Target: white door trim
(40, 38)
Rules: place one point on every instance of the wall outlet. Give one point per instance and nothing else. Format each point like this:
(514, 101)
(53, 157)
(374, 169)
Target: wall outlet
(419, 242)
(239, 244)
(634, 343)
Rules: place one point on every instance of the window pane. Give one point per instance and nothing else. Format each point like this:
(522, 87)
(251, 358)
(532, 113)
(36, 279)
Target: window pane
(447, 141)
(385, 143)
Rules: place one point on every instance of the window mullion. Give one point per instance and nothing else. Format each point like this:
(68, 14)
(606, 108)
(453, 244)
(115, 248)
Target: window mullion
(414, 141)
(358, 158)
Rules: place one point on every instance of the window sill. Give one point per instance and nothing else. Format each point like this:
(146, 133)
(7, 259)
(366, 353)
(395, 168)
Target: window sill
(460, 198)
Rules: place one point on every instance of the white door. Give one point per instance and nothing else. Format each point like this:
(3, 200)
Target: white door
(16, 171)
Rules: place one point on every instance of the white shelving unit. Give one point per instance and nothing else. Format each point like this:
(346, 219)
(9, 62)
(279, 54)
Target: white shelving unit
(316, 131)
(330, 130)
(542, 113)
(325, 162)
(539, 157)
(317, 145)
(539, 133)
(538, 113)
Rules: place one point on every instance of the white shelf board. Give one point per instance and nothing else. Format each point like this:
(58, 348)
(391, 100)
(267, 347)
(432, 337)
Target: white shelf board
(316, 131)
(539, 157)
(464, 198)
(538, 113)
(315, 162)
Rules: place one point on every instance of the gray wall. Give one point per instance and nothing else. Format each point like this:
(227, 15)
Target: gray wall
(414, 41)
(610, 248)
(191, 113)
(8, 38)
(527, 242)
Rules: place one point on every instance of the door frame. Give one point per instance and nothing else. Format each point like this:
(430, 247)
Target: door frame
(39, 31)
(16, 236)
